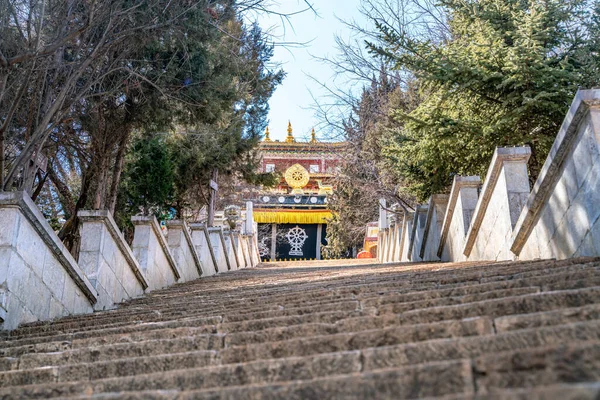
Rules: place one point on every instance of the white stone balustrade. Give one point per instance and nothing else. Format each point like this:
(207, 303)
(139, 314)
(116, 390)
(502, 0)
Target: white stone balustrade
(201, 240)
(433, 227)
(558, 218)
(152, 252)
(561, 218)
(457, 218)
(39, 279)
(217, 242)
(108, 261)
(182, 248)
(230, 250)
(502, 198)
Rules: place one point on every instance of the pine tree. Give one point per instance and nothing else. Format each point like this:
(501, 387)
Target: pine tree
(506, 77)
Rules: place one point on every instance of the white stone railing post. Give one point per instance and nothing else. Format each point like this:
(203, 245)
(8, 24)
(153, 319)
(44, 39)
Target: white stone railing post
(561, 217)
(183, 250)
(107, 260)
(457, 220)
(504, 193)
(204, 249)
(217, 242)
(152, 252)
(433, 227)
(39, 279)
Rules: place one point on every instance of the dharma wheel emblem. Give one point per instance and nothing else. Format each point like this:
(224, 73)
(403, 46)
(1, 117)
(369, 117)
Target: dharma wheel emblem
(297, 176)
(263, 249)
(296, 236)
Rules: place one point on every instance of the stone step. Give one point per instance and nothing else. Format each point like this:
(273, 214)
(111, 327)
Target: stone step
(566, 281)
(155, 316)
(319, 344)
(198, 322)
(97, 336)
(420, 381)
(567, 362)
(117, 326)
(576, 391)
(475, 346)
(148, 315)
(324, 376)
(561, 281)
(304, 346)
(273, 322)
(524, 304)
(121, 350)
(547, 318)
(483, 351)
(415, 334)
(281, 370)
(397, 308)
(284, 312)
(385, 281)
(137, 336)
(109, 369)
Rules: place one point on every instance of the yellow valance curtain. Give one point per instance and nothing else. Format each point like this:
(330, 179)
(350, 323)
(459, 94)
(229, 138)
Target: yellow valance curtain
(292, 217)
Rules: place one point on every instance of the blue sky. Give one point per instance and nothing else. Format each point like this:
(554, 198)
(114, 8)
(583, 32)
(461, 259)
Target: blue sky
(292, 100)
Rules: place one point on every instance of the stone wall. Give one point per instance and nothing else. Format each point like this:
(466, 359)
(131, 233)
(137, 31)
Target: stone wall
(230, 249)
(457, 218)
(505, 219)
(201, 240)
(152, 251)
(39, 279)
(108, 261)
(182, 248)
(561, 217)
(217, 242)
(433, 227)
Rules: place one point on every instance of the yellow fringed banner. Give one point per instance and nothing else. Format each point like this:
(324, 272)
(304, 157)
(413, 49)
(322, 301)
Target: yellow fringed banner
(292, 217)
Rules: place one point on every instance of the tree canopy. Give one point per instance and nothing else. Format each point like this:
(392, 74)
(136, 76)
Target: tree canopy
(504, 75)
(156, 92)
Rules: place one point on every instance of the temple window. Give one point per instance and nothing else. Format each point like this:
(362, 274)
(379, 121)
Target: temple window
(314, 169)
(270, 168)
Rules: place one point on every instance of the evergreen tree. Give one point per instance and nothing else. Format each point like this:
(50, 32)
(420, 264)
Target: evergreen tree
(505, 77)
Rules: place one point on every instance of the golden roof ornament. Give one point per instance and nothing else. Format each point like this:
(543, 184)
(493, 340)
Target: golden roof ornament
(290, 137)
(267, 138)
(297, 176)
(313, 136)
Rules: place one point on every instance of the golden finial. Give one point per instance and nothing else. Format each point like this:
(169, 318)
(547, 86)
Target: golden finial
(290, 137)
(267, 138)
(313, 136)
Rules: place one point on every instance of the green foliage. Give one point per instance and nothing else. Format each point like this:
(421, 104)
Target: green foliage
(506, 77)
(365, 176)
(228, 143)
(148, 180)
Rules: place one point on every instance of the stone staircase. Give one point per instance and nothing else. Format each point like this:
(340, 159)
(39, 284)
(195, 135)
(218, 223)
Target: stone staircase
(525, 330)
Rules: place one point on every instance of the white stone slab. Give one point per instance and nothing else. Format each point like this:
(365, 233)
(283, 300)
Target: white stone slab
(34, 260)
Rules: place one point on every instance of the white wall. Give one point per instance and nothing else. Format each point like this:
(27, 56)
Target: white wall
(39, 280)
(183, 250)
(107, 260)
(152, 252)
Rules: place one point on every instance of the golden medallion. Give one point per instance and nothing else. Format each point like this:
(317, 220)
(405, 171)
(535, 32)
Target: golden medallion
(297, 176)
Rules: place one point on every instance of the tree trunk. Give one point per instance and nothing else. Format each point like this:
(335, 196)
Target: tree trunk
(118, 169)
(63, 190)
(69, 233)
(40, 185)
(1, 161)
(212, 199)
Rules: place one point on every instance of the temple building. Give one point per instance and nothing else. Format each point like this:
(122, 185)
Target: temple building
(292, 217)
